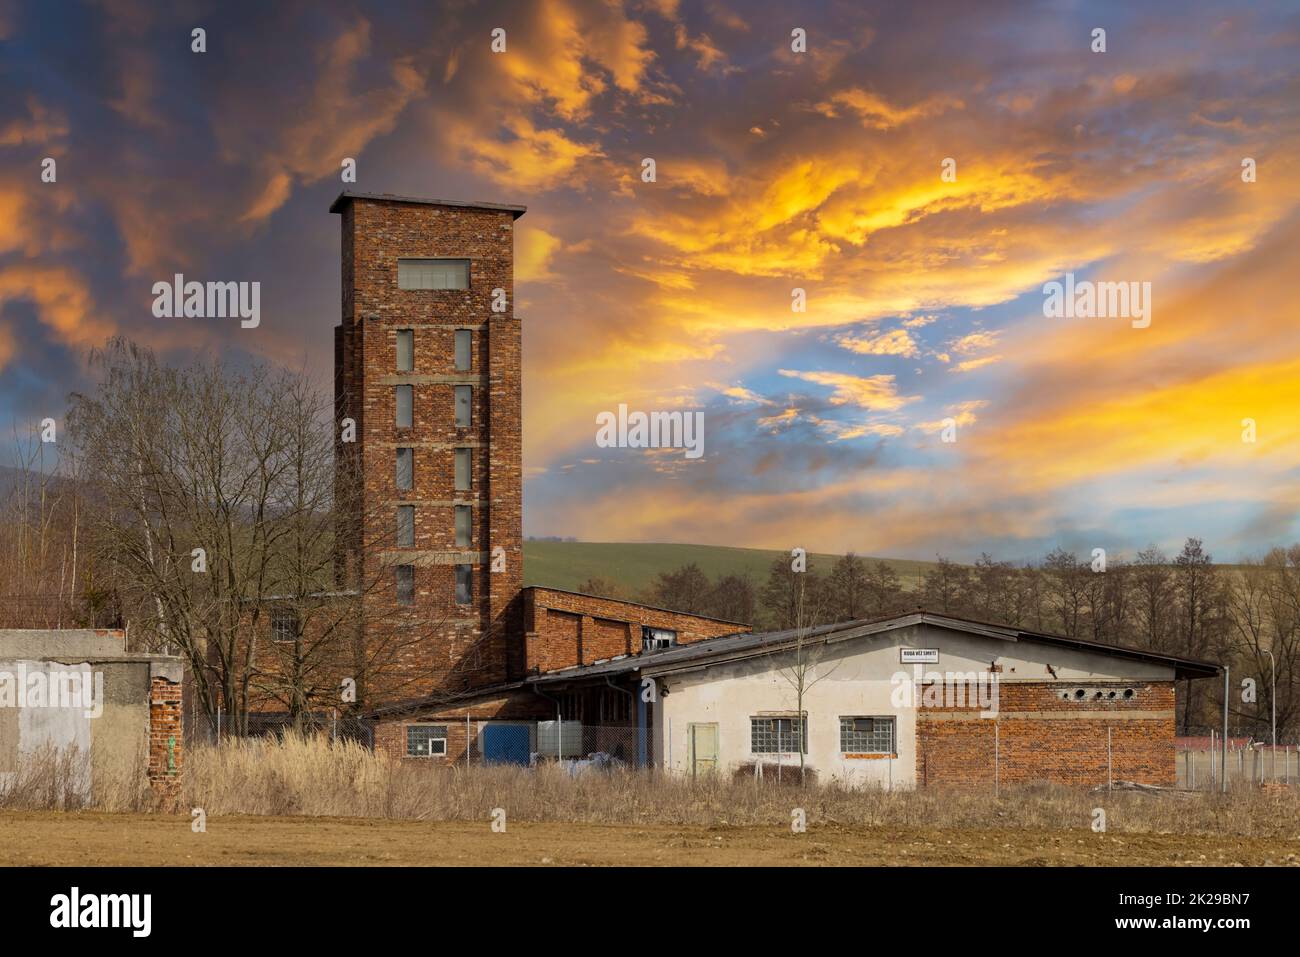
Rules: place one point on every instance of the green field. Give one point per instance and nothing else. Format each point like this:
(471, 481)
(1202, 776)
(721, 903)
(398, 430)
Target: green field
(633, 566)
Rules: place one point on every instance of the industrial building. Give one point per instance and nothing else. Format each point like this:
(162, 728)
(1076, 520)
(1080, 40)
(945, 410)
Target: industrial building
(428, 395)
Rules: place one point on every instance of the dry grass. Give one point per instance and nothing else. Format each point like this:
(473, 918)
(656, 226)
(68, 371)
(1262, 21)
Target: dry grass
(309, 777)
(61, 779)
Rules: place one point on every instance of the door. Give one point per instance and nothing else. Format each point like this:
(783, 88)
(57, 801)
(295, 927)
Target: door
(505, 744)
(704, 748)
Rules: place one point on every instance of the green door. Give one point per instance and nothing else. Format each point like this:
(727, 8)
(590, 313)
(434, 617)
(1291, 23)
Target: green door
(704, 748)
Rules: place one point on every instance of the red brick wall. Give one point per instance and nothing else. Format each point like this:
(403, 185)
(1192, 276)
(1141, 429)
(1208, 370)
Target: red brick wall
(566, 629)
(459, 646)
(166, 750)
(390, 735)
(1041, 737)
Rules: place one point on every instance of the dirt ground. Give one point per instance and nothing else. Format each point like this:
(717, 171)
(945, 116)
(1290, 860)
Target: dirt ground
(80, 839)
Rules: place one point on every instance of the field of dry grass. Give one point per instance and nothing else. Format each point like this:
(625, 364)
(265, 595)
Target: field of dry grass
(306, 801)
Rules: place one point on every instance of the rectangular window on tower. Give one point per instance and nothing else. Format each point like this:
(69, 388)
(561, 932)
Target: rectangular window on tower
(404, 576)
(464, 402)
(462, 470)
(433, 274)
(406, 469)
(405, 350)
(464, 340)
(406, 526)
(464, 522)
(404, 396)
(464, 584)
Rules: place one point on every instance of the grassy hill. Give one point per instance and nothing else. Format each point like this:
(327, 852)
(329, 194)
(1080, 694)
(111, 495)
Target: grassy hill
(634, 565)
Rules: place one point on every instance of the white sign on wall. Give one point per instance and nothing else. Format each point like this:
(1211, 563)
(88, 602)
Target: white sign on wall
(919, 656)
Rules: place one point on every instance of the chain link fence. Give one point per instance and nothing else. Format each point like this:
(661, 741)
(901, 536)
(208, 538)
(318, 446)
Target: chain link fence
(200, 731)
(1201, 764)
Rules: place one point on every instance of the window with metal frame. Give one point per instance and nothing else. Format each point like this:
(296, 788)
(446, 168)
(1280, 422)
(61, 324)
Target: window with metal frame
(433, 274)
(867, 735)
(464, 525)
(426, 740)
(284, 623)
(778, 735)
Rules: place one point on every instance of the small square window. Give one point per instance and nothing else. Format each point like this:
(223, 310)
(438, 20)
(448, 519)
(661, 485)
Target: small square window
(426, 740)
(405, 398)
(464, 584)
(464, 523)
(405, 350)
(405, 578)
(405, 469)
(406, 526)
(464, 338)
(462, 470)
(464, 402)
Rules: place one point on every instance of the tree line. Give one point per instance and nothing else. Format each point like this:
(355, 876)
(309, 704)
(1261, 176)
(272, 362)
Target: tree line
(1181, 605)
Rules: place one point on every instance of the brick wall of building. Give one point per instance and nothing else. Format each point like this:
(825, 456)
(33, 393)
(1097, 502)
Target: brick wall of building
(436, 643)
(521, 705)
(1042, 737)
(166, 748)
(564, 629)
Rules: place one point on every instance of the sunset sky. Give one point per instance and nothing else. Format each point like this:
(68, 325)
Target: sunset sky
(775, 170)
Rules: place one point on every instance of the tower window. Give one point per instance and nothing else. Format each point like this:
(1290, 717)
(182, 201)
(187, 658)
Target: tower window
(405, 350)
(405, 469)
(464, 584)
(464, 340)
(433, 274)
(284, 623)
(464, 521)
(462, 470)
(406, 526)
(464, 400)
(404, 575)
(405, 396)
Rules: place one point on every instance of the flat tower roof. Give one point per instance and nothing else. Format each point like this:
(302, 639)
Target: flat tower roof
(347, 196)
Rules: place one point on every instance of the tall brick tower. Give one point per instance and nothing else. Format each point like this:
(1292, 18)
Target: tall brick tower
(427, 365)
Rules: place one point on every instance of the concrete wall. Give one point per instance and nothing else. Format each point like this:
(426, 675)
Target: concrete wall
(111, 724)
(853, 678)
